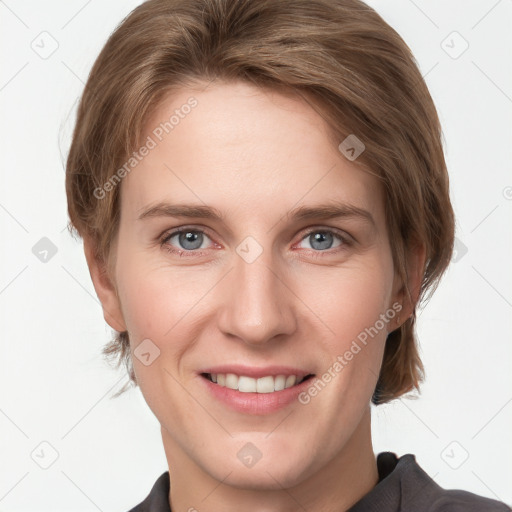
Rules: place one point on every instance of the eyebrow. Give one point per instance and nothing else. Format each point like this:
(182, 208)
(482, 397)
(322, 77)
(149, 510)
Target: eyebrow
(181, 210)
(317, 212)
(331, 211)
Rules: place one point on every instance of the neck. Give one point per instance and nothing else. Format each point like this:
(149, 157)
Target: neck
(337, 486)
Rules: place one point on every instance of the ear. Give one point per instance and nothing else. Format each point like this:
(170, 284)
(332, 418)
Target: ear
(415, 267)
(105, 289)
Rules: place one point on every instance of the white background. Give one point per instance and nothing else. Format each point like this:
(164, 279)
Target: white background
(56, 388)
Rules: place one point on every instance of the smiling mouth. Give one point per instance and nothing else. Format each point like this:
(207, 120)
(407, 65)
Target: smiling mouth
(245, 384)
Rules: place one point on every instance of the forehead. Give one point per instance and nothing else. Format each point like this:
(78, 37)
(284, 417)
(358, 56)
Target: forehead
(243, 149)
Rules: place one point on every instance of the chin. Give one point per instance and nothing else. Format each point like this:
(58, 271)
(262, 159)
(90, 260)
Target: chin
(271, 468)
(268, 477)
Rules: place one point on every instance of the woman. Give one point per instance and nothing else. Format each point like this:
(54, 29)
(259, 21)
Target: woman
(264, 202)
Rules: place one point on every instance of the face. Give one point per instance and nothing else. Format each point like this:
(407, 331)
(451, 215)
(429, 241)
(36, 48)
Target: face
(231, 267)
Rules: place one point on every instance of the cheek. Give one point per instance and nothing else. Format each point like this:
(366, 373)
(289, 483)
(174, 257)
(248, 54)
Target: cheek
(155, 298)
(353, 308)
(165, 305)
(352, 299)
(156, 308)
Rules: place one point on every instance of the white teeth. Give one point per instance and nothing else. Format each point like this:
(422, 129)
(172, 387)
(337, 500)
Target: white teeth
(246, 384)
(265, 385)
(279, 382)
(231, 381)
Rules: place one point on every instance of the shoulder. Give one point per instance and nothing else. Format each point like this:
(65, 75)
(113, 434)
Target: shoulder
(449, 500)
(404, 487)
(420, 489)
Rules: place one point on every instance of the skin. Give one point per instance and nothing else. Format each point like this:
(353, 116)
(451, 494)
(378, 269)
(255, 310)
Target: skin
(255, 155)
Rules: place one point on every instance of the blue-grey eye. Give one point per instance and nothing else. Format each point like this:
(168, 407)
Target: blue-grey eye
(188, 240)
(322, 240)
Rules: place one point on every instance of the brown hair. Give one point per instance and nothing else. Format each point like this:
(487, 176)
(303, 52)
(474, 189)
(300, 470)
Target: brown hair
(355, 70)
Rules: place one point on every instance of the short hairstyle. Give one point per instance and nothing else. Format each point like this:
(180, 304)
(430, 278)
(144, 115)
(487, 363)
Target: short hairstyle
(339, 55)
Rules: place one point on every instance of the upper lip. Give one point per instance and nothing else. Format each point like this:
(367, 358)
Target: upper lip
(257, 372)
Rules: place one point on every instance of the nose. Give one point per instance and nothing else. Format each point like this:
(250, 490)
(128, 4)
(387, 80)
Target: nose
(259, 304)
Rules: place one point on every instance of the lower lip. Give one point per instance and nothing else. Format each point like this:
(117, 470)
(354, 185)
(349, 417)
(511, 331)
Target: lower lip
(255, 403)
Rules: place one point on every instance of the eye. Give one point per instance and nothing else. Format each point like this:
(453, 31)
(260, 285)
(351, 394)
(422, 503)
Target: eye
(183, 240)
(321, 240)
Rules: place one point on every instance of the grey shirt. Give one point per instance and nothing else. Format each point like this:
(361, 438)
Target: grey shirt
(403, 487)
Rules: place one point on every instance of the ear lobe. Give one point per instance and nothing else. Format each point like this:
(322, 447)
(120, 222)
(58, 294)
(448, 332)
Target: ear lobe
(105, 289)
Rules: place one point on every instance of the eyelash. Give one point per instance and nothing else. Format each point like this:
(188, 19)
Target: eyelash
(345, 241)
